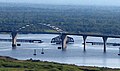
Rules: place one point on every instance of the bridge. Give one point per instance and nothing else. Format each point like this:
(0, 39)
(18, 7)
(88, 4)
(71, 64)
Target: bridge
(63, 37)
(23, 40)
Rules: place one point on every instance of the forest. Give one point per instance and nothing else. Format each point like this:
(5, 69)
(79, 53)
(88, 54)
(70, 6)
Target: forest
(74, 19)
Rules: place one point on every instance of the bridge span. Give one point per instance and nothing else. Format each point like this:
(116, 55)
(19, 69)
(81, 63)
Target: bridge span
(63, 37)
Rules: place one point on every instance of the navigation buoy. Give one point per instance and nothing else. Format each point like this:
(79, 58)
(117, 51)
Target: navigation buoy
(34, 52)
(119, 51)
(42, 51)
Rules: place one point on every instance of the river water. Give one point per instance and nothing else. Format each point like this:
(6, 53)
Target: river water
(74, 54)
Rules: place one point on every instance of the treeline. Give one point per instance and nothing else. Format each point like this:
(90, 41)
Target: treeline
(75, 19)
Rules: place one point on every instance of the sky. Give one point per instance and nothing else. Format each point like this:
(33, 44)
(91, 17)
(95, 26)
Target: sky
(69, 2)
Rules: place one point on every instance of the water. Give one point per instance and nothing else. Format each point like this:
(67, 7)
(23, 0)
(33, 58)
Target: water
(74, 54)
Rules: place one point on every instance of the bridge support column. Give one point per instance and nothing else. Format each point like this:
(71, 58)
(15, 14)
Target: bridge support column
(64, 40)
(14, 38)
(84, 42)
(104, 41)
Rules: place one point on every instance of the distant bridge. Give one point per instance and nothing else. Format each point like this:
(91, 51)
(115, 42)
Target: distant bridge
(101, 43)
(63, 37)
(23, 40)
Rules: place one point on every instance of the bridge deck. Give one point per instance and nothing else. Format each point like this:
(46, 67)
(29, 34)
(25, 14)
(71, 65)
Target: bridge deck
(79, 34)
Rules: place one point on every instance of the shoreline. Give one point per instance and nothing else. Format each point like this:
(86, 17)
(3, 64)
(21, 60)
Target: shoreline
(95, 68)
(68, 63)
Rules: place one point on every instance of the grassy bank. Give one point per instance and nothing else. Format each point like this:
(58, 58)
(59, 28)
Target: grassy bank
(11, 64)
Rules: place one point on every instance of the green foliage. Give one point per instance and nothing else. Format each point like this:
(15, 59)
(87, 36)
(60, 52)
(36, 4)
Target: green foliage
(53, 69)
(30, 65)
(76, 19)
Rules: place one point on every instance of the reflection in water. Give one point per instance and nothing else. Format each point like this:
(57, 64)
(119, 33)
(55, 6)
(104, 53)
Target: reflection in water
(74, 54)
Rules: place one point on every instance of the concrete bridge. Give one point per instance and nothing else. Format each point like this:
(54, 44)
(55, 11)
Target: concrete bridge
(63, 36)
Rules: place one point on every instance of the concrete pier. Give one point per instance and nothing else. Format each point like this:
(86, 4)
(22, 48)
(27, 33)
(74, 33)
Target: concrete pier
(64, 40)
(104, 42)
(84, 42)
(14, 39)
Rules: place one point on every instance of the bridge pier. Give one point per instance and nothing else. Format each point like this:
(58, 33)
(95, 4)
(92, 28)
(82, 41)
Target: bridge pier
(64, 40)
(84, 42)
(14, 38)
(104, 41)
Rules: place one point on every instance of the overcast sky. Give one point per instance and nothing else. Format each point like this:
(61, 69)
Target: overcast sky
(69, 2)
